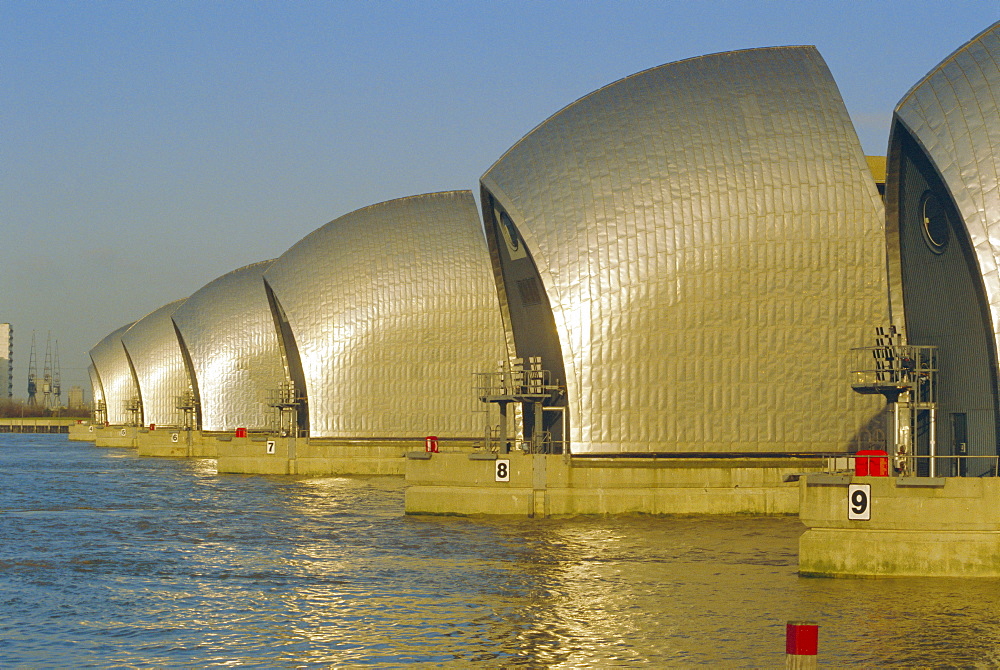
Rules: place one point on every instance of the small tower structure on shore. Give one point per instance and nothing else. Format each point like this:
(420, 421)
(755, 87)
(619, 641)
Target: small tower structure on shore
(32, 374)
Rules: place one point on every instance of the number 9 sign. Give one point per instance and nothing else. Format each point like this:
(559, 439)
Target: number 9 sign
(859, 502)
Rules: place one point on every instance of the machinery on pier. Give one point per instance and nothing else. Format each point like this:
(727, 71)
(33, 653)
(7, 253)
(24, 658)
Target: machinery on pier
(285, 403)
(531, 388)
(906, 375)
(187, 405)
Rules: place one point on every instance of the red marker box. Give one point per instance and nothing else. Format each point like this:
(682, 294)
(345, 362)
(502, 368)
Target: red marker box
(801, 638)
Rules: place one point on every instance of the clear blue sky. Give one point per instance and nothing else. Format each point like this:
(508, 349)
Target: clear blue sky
(149, 147)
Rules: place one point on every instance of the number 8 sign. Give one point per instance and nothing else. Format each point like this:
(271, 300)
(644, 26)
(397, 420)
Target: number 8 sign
(503, 470)
(859, 502)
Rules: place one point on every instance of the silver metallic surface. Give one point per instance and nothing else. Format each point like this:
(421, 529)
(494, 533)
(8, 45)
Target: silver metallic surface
(229, 333)
(953, 115)
(116, 376)
(95, 385)
(155, 353)
(393, 308)
(709, 238)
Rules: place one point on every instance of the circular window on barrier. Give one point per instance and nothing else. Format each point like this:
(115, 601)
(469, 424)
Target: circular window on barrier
(937, 230)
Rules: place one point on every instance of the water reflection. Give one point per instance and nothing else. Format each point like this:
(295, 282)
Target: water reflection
(107, 559)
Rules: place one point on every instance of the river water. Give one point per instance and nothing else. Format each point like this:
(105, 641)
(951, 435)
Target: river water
(111, 560)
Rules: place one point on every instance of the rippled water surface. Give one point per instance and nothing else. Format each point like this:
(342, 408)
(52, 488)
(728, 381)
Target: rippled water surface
(111, 560)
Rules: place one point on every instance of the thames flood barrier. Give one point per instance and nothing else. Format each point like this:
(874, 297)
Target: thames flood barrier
(671, 328)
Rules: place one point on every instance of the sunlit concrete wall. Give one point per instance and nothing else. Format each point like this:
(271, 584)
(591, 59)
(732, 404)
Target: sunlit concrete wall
(695, 249)
(943, 227)
(391, 310)
(229, 337)
(117, 380)
(155, 354)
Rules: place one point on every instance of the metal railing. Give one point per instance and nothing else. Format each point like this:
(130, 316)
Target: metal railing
(285, 405)
(952, 465)
(910, 465)
(548, 446)
(510, 383)
(896, 368)
(133, 410)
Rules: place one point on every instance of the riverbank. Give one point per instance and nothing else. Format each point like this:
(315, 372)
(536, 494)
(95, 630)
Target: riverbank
(38, 424)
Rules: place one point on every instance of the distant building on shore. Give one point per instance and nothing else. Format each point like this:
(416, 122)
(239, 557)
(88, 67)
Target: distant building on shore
(6, 361)
(76, 398)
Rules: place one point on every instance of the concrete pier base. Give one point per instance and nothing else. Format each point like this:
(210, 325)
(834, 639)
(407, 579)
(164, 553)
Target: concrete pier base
(115, 436)
(82, 432)
(300, 456)
(919, 526)
(250, 455)
(167, 442)
(317, 458)
(555, 485)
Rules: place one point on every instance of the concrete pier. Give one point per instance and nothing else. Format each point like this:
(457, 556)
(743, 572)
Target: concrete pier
(261, 453)
(82, 432)
(114, 436)
(301, 456)
(167, 442)
(557, 485)
(918, 526)
(164, 441)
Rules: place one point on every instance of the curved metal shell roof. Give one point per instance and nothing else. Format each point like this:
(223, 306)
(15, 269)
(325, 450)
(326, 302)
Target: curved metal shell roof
(954, 115)
(710, 240)
(155, 353)
(229, 334)
(116, 375)
(392, 308)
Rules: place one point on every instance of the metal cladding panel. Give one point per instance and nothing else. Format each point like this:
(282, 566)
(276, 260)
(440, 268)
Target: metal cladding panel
(710, 240)
(954, 115)
(95, 384)
(393, 308)
(155, 353)
(116, 377)
(230, 336)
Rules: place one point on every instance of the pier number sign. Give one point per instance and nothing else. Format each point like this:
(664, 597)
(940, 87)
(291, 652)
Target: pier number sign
(270, 446)
(503, 470)
(859, 502)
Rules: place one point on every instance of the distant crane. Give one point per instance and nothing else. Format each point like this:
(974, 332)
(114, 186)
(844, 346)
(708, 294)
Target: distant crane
(51, 386)
(56, 379)
(47, 373)
(51, 380)
(32, 373)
